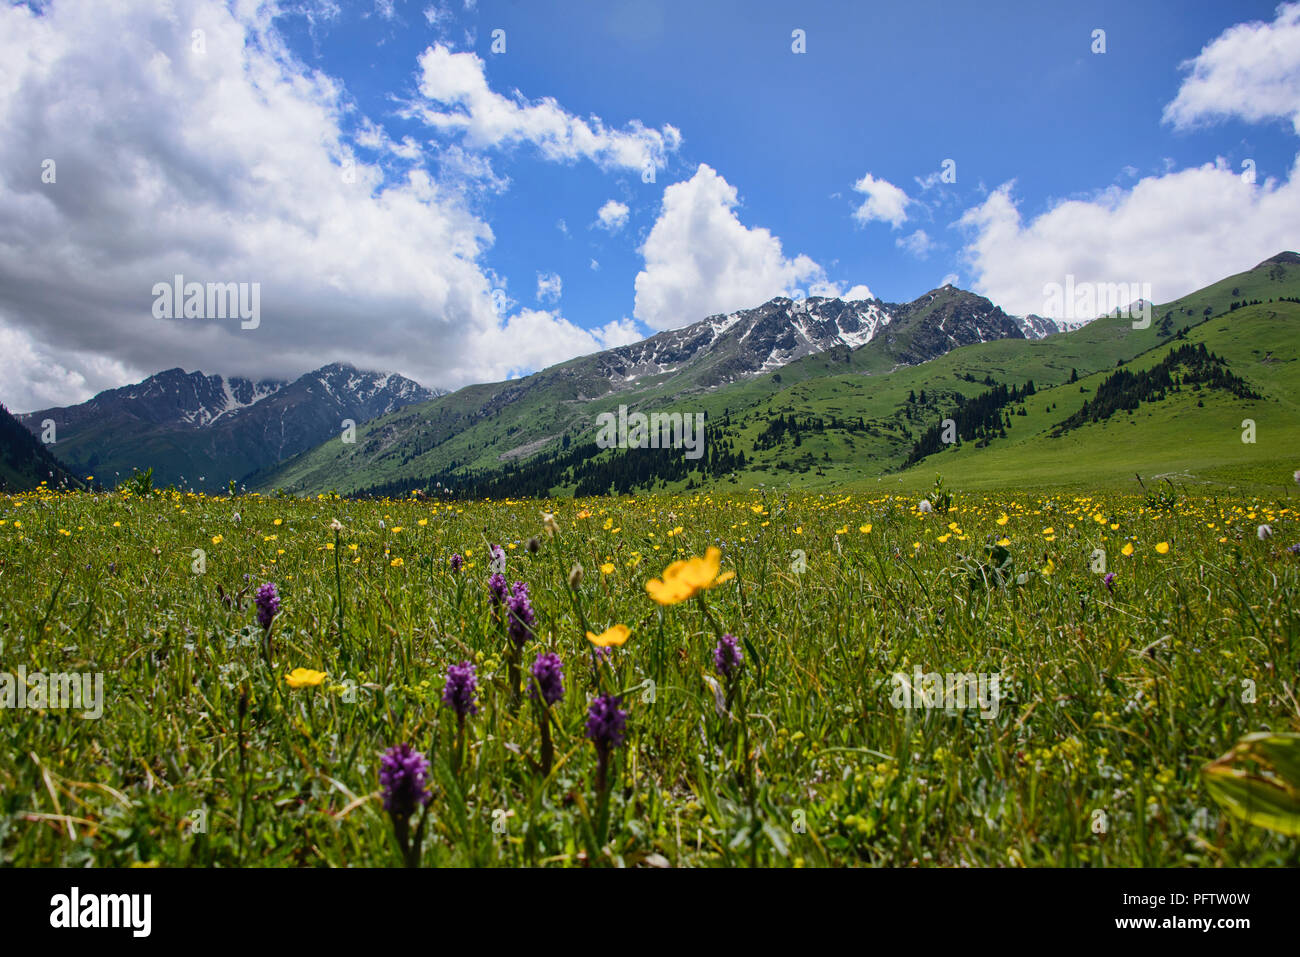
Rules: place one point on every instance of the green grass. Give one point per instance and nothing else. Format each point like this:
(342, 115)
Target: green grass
(1112, 700)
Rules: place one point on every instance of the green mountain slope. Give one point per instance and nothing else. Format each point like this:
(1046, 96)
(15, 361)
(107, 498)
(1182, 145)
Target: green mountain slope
(855, 414)
(25, 463)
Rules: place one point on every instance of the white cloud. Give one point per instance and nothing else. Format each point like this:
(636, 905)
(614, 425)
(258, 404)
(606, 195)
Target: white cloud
(459, 100)
(952, 279)
(858, 292)
(549, 287)
(612, 216)
(701, 260)
(918, 243)
(1178, 231)
(1250, 71)
(619, 332)
(595, 266)
(534, 337)
(224, 167)
(885, 202)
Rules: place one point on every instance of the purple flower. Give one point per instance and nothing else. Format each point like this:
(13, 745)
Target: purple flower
(268, 604)
(497, 588)
(1294, 549)
(606, 722)
(1109, 581)
(603, 654)
(458, 694)
(456, 562)
(521, 614)
(727, 656)
(403, 775)
(548, 675)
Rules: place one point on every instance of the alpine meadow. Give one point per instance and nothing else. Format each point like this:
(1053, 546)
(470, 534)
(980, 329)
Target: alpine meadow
(461, 434)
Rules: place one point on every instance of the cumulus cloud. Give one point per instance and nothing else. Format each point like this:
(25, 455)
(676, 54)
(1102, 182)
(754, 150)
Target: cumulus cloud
(232, 165)
(857, 292)
(1178, 231)
(701, 260)
(612, 216)
(884, 202)
(533, 337)
(1251, 71)
(458, 99)
(549, 287)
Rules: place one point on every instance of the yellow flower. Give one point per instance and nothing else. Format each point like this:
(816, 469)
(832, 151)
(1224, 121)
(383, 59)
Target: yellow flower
(396, 563)
(278, 521)
(1163, 548)
(1004, 542)
(216, 539)
(1127, 549)
(687, 578)
(611, 636)
(304, 678)
(842, 530)
(1004, 519)
(607, 568)
(422, 522)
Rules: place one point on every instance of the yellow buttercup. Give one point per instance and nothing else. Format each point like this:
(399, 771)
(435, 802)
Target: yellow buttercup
(687, 578)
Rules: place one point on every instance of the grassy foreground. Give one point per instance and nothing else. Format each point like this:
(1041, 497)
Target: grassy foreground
(1112, 694)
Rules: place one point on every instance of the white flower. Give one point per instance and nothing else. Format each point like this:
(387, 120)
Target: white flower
(1264, 532)
(1297, 476)
(925, 508)
(236, 518)
(336, 525)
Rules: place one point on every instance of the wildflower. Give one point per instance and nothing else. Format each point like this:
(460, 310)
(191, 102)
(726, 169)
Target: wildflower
(1127, 549)
(1265, 532)
(1294, 549)
(925, 508)
(521, 613)
(548, 678)
(216, 539)
(606, 722)
(606, 726)
(458, 693)
(533, 545)
(575, 576)
(268, 604)
(687, 578)
(403, 777)
(455, 562)
(727, 656)
(616, 635)
(497, 588)
(1109, 581)
(549, 524)
(607, 569)
(304, 678)
(336, 525)
(1162, 548)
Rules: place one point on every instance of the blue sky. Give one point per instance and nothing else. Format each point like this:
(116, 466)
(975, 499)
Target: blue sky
(892, 89)
(470, 245)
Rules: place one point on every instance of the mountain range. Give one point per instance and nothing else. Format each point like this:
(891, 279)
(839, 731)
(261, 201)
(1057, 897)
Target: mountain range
(206, 430)
(809, 392)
